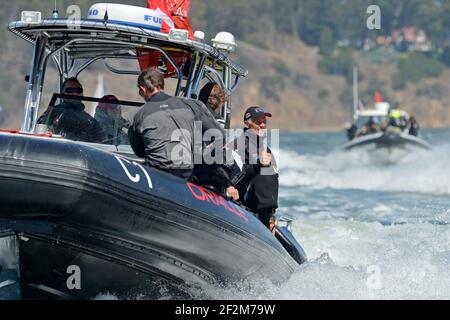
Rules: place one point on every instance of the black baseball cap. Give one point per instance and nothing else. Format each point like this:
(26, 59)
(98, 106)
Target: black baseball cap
(256, 112)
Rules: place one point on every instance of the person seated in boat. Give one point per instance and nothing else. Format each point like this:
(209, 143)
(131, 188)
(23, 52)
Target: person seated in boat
(162, 131)
(152, 133)
(363, 132)
(413, 126)
(384, 125)
(352, 130)
(109, 115)
(398, 120)
(372, 126)
(404, 118)
(69, 118)
(214, 97)
(258, 189)
(395, 120)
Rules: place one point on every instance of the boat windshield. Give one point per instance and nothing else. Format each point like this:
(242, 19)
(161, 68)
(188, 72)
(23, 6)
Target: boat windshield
(86, 119)
(370, 122)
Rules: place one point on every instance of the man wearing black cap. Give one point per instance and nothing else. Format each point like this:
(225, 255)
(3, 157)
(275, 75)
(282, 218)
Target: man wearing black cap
(259, 188)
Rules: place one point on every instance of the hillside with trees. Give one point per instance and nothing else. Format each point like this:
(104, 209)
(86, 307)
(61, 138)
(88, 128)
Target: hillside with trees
(300, 54)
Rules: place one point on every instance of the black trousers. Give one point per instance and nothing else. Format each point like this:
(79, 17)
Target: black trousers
(265, 215)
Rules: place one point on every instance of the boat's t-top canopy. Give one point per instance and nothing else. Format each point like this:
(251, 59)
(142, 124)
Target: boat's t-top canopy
(381, 109)
(123, 32)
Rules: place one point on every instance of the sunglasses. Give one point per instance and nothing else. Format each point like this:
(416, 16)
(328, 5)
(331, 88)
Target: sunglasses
(259, 121)
(73, 90)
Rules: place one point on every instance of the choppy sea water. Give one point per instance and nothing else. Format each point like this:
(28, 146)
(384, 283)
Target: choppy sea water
(370, 231)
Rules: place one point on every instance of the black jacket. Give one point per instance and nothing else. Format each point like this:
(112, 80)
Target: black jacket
(114, 129)
(70, 120)
(259, 187)
(414, 129)
(163, 131)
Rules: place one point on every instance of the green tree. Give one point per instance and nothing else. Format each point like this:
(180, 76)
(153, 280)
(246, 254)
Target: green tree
(339, 63)
(326, 42)
(416, 67)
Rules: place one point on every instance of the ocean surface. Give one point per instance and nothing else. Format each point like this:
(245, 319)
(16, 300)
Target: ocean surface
(370, 231)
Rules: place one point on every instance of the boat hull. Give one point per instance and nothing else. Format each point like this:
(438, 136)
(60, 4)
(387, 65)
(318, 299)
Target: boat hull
(128, 229)
(55, 268)
(388, 147)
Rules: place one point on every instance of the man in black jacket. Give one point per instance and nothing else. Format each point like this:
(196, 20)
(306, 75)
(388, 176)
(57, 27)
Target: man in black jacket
(70, 119)
(259, 188)
(163, 132)
(413, 126)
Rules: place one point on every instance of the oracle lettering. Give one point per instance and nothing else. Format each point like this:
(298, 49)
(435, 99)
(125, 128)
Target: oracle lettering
(202, 194)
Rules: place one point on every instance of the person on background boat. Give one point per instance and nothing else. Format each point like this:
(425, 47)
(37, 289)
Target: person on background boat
(109, 115)
(352, 130)
(385, 123)
(395, 120)
(162, 131)
(404, 118)
(258, 189)
(372, 126)
(413, 126)
(70, 119)
(363, 132)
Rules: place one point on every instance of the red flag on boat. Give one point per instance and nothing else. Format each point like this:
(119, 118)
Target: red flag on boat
(174, 14)
(378, 98)
(151, 58)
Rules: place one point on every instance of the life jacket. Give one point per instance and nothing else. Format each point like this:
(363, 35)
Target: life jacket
(395, 114)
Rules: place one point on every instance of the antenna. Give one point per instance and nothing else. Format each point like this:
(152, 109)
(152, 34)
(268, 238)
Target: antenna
(355, 92)
(106, 17)
(55, 14)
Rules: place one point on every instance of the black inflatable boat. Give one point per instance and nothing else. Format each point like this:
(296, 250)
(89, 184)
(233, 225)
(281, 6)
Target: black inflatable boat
(125, 226)
(78, 219)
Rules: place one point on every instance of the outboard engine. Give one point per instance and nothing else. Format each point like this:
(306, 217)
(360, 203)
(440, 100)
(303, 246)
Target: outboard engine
(283, 232)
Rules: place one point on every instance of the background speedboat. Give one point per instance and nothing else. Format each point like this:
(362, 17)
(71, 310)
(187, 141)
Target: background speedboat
(387, 147)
